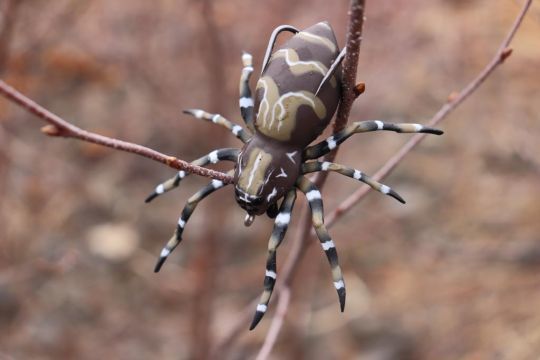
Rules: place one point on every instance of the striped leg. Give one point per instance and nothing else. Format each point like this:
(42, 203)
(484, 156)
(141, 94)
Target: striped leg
(313, 196)
(324, 147)
(280, 228)
(213, 157)
(237, 130)
(246, 100)
(352, 173)
(186, 213)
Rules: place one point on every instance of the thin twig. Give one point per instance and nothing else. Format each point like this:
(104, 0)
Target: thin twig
(60, 127)
(350, 63)
(501, 55)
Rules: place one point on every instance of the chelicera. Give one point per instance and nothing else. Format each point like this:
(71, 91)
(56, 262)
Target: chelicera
(296, 97)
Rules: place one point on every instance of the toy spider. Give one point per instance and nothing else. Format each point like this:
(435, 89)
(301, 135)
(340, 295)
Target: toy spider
(296, 97)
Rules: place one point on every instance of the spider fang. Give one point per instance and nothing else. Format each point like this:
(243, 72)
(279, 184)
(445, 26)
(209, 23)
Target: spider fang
(248, 220)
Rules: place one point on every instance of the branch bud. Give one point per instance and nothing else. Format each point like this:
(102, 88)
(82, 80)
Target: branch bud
(453, 95)
(51, 130)
(506, 53)
(359, 89)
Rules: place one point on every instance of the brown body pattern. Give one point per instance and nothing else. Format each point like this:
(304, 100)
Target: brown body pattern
(285, 102)
(296, 97)
(289, 116)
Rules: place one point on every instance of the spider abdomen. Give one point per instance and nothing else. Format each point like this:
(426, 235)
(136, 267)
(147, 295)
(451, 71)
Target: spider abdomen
(288, 107)
(265, 171)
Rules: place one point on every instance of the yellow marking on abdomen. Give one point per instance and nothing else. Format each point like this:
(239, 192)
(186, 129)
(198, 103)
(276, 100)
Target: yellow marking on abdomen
(297, 66)
(316, 39)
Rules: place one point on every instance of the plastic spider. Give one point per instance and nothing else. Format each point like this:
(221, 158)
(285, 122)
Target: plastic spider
(296, 97)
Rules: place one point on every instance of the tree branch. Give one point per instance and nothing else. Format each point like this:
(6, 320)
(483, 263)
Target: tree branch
(350, 64)
(60, 127)
(455, 100)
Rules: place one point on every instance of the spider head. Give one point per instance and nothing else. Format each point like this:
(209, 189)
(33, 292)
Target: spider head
(264, 172)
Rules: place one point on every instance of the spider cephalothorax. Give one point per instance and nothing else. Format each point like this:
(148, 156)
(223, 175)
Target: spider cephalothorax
(265, 171)
(296, 97)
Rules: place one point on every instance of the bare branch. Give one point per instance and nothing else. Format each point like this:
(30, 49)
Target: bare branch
(454, 101)
(60, 127)
(350, 63)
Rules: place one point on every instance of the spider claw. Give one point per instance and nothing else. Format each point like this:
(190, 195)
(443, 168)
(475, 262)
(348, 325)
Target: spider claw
(261, 310)
(162, 257)
(433, 131)
(396, 196)
(340, 287)
(341, 294)
(151, 197)
(159, 264)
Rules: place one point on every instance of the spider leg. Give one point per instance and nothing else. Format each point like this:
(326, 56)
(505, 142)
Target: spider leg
(237, 130)
(313, 196)
(190, 206)
(246, 100)
(212, 157)
(325, 146)
(280, 228)
(313, 166)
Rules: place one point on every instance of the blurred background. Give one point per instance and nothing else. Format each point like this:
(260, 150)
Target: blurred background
(454, 274)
